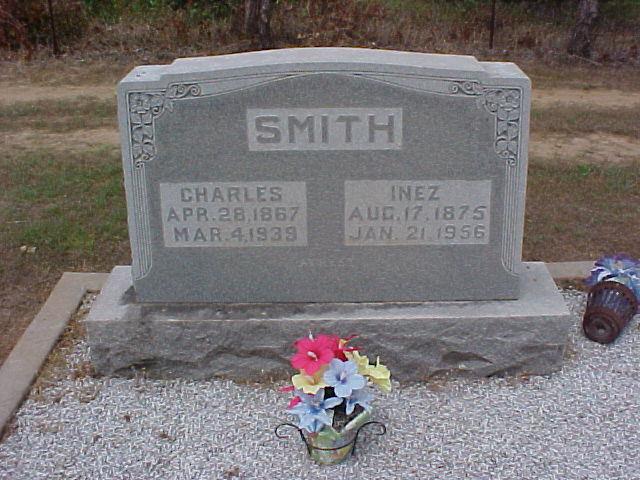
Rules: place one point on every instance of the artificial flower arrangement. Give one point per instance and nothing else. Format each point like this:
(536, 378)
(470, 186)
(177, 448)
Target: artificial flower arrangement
(613, 297)
(332, 394)
(619, 268)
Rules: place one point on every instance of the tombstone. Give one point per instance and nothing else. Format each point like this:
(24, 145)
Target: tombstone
(331, 189)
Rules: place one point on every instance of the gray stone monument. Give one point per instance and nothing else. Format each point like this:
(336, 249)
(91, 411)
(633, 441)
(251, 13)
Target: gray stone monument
(331, 189)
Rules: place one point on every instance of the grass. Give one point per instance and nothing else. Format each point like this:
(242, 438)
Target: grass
(56, 365)
(59, 115)
(70, 71)
(582, 76)
(571, 119)
(578, 212)
(70, 206)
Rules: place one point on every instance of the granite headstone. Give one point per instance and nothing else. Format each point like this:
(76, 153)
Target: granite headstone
(325, 175)
(329, 190)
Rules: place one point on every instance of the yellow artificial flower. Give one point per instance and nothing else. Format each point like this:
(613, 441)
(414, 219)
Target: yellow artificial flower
(309, 383)
(360, 360)
(380, 375)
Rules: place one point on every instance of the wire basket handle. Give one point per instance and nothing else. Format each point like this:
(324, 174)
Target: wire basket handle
(382, 430)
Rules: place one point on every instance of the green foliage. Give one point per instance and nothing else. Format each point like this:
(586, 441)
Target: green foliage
(443, 8)
(197, 11)
(625, 12)
(584, 170)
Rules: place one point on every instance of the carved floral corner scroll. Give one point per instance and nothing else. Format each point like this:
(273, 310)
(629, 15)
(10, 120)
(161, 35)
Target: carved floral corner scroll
(144, 108)
(506, 104)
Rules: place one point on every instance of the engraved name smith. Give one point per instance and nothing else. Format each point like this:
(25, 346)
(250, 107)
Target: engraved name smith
(324, 129)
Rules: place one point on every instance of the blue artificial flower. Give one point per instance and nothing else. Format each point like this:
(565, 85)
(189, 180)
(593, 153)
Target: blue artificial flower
(312, 410)
(361, 397)
(634, 283)
(619, 268)
(343, 377)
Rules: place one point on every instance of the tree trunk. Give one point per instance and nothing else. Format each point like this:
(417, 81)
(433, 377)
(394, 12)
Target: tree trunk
(251, 9)
(257, 20)
(492, 25)
(264, 24)
(52, 24)
(582, 34)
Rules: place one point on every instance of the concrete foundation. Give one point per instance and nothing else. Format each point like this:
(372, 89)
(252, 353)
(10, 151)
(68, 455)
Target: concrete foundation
(254, 341)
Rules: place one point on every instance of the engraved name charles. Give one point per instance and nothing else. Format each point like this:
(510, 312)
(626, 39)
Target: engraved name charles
(324, 129)
(234, 214)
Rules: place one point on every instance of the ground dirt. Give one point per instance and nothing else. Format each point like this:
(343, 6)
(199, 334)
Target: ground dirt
(70, 141)
(22, 292)
(11, 93)
(597, 97)
(593, 148)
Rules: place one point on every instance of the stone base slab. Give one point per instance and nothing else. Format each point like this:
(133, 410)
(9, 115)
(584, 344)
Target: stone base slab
(254, 341)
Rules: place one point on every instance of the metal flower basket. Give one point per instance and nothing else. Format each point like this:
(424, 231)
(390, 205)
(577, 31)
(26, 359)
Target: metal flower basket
(330, 446)
(610, 307)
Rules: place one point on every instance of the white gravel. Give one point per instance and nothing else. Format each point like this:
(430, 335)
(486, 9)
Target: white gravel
(581, 423)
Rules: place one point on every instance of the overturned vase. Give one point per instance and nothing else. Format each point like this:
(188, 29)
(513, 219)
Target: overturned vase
(330, 446)
(610, 307)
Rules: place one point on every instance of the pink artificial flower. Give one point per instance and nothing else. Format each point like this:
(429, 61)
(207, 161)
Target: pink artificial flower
(313, 353)
(294, 401)
(287, 388)
(339, 345)
(335, 345)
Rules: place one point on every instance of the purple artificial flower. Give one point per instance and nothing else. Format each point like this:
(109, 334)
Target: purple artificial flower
(618, 268)
(343, 377)
(312, 410)
(362, 397)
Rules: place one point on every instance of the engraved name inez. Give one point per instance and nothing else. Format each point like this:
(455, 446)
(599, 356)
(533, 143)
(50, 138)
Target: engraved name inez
(396, 212)
(234, 214)
(324, 129)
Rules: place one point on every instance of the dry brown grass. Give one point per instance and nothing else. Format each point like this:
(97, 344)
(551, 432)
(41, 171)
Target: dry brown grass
(70, 206)
(55, 367)
(578, 119)
(526, 31)
(578, 212)
(59, 115)
(24, 287)
(580, 75)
